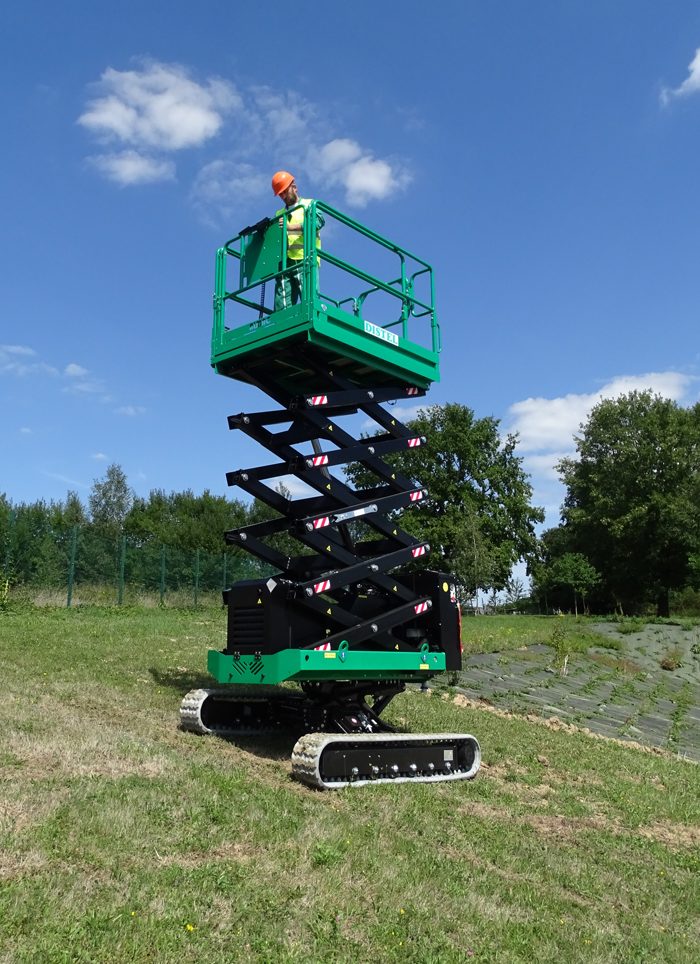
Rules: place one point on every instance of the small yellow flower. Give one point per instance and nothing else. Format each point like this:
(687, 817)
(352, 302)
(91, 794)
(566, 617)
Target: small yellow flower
(133, 913)
(402, 911)
(189, 927)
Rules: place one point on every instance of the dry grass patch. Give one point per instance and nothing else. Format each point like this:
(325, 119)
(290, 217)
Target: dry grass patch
(675, 836)
(74, 752)
(15, 866)
(22, 809)
(565, 828)
(226, 853)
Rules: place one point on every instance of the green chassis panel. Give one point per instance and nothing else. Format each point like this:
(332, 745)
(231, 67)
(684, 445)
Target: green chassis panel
(306, 664)
(365, 357)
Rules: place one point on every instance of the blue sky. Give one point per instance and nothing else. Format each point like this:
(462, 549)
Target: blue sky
(543, 157)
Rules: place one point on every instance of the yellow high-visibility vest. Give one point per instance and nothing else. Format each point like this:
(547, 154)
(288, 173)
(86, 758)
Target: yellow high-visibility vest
(295, 242)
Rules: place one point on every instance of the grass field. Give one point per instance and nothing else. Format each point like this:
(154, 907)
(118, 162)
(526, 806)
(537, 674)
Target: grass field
(491, 634)
(124, 839)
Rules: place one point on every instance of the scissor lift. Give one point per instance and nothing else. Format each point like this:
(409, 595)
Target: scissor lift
(352, 618)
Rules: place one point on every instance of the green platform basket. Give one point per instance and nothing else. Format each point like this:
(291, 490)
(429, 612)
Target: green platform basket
(343, 330)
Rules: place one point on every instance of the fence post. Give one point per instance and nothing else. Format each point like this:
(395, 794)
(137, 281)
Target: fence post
(162, 574)
(71, 565)
(196, 577)
(122, 566)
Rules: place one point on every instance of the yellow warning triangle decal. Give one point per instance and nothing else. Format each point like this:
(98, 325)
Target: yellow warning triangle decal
(394, 532)
(395, 589)
(329, 612)
(259, 602)
(393, 421)
(393, 475)
(328, 548)
(397, 646)
(328, 486)
(330, 428)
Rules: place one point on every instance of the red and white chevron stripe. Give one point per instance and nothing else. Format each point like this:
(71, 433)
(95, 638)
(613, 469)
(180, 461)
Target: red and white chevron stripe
(413, 443)
(317, 400)
(420, 608)
(322, 522)
(412, 391)
(320, 460)
(418, 551)
(417, 495)
(324, 647)
(322, 586)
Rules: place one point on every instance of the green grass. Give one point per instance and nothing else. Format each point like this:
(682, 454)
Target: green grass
(495, 634)
(123, 839)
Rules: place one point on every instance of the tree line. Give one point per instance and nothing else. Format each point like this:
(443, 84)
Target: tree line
(37, 539)
(629, 534)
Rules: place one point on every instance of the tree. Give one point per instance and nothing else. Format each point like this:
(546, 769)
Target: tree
(515, 591)
(478, 517)
(184, 519)
(633, 497)
(72, 512)
(574, 571)
(110, 500)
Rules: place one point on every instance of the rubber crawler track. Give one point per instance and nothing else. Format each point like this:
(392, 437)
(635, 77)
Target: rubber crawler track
(308, 752)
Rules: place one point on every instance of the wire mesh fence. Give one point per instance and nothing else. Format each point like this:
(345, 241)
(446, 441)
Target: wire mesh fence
(78, 566)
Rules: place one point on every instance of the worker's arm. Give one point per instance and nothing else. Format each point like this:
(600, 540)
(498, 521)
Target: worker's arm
(291, 228)
(299, 228)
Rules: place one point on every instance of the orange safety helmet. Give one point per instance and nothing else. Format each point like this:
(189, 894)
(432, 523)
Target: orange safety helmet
(281, 181)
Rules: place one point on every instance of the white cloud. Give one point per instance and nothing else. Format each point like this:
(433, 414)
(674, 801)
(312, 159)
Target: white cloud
(130, 167)
(223, 185)
(543, 464)
(66, 479)
(336, 155)
(130, 410)
(13, 362)
(343, 162)
(406, 413)
(74, 371)
(85, 388)
(99, 457)
(25, 431)
(151, 112)
(551, 423)
(296, 488)
(148, 113)
(16, 350)
(691, 85)
(283, 118)
(160, 107)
